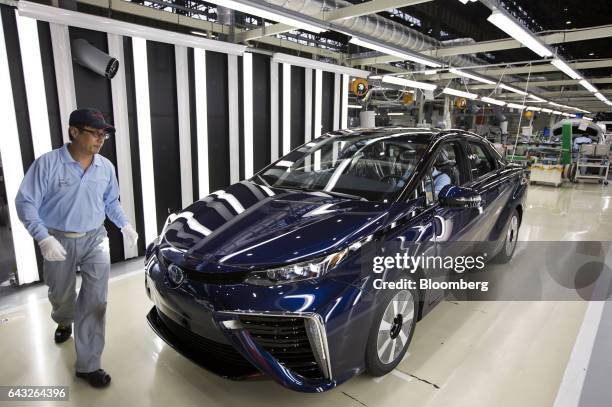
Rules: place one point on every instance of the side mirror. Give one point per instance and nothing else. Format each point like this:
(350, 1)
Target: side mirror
(459, 197)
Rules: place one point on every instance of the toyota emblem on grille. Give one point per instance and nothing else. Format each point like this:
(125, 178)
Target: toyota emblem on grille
(175, 274)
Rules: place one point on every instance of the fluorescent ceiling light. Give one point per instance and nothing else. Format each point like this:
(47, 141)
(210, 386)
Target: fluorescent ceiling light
(516, 31)
(374, 77)
(515, 106)
(554, 104)
(267, 14)
(565, 68)
(430, 72)
(588, 86)
(395, 114)
(601, 97)
(493, 101)
(565, 114)
(354, 107)
(455, 92)
(406, 82)
(547, 110)
(588, 118)
(536, 99)
(471, 76)
(556, 112)
(511, 89)
(395, 52)
(534, 109)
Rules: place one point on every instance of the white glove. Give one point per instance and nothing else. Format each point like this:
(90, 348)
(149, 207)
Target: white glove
(52, 249)
(129, 235)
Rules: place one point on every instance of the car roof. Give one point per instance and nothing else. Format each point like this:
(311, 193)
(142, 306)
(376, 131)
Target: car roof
(420, 134)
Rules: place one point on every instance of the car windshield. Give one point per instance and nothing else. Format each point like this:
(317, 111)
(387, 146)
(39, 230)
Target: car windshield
(375, 168)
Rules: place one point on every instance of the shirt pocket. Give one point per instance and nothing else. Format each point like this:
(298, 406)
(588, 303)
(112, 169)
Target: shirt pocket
(97, 186)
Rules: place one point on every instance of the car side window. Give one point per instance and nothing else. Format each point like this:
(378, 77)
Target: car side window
(447, 169)
(481, 161)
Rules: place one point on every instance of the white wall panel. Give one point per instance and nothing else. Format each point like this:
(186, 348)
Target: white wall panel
(344, 104)
(247, 119)
(286, 108)
(29, 47)
(64, 77)
(336, 122)
(184, 124)
(234, 117)
(318, 105)
(307, 104)
(122, 138)
(274, 111)
(199, 63)
(143, 114)
(10, 152)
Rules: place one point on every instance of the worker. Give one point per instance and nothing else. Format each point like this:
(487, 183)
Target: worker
(582, 139)
(441, 170)
(62, 201)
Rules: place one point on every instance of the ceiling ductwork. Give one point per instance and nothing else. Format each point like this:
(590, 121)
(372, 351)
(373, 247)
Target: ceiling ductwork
(375, 26)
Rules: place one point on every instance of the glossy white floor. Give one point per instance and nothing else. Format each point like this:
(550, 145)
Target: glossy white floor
(462, 354)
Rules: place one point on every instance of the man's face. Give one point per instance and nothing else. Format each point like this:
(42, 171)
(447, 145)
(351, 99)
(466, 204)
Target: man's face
(88, 139)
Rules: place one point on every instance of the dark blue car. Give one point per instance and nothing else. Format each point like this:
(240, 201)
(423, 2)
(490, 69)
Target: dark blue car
(273, 276)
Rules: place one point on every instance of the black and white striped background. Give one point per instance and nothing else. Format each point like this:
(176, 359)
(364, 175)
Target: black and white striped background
(198, 130)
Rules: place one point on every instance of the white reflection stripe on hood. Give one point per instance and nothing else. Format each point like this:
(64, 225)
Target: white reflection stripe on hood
(193, 223)
(267, 190)
(231, 199)
(321, 210)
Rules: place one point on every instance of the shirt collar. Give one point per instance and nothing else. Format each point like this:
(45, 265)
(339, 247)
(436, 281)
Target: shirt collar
(67, 158)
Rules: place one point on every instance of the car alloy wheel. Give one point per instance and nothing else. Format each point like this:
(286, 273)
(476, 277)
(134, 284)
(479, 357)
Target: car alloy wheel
(395, 326)
(511, 235)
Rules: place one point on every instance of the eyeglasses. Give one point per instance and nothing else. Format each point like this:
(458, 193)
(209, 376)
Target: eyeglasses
(99, 134)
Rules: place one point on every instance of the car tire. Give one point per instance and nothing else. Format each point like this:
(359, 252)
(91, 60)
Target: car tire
(507, 250)
(391, 331)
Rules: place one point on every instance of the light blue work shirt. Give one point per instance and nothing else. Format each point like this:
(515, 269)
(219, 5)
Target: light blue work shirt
(440, 180)
(57, 194)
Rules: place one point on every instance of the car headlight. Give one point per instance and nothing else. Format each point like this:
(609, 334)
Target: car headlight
(297, 272)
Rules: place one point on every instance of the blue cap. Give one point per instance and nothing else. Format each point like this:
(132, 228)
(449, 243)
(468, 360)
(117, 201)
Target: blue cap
(91, 117)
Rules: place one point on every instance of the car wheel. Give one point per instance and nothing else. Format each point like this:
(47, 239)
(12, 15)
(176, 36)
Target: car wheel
(509, 246)
(391, 331)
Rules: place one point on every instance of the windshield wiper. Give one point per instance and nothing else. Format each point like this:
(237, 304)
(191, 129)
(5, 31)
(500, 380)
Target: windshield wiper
(333, 193)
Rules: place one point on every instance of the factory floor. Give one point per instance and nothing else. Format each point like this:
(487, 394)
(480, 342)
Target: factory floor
(493, 353)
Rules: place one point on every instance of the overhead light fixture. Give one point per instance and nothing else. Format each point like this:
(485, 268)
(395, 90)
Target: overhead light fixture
(406, 82)
(565, 114)
(516, 31)
(601, 97)
(556, 112)
(471, 76)
(534, 108)
(395, 52)
(511, 89)
(455, 92)
(547, 110)
(516, 106)
(554, 104)
(354, 107)
(430, 72)
(565, 68)
(374, 77)
(536, 99)
(269, 14)
(395, 114)
(587, 118)
(493, 101)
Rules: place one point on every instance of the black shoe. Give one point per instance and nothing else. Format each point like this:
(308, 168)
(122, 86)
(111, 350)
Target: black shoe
(97, 378)
(62, 333)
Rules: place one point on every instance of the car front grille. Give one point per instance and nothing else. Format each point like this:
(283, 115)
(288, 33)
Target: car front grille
(209, 277)
(287, 340)
(215, 352)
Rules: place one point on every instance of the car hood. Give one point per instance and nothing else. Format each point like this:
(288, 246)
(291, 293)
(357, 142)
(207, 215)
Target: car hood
(248, 226)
